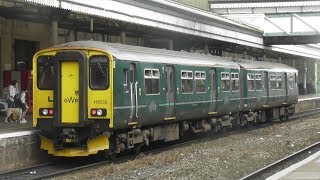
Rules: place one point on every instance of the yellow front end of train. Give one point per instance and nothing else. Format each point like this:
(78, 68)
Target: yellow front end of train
(72, 100)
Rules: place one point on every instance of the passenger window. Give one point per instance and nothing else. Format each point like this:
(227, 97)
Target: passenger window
(125, 81)
(45, 74)
(225, 81)
(235, 81)
(250, 78)
(99, 72)
(152, 81)
(187, 81)
(258, 80)
(279, 82)
(200, 79)
(273, 82)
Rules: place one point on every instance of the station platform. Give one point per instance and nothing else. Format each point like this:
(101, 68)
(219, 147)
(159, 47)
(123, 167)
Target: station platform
(308, 168)
(19, 143)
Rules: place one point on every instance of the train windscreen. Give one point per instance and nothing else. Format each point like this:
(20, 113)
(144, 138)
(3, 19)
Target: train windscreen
(45, 73)
(99, 72)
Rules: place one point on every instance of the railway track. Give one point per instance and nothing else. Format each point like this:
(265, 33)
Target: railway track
(67, 166)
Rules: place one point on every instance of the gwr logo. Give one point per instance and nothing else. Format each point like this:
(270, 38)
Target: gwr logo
(71, 100)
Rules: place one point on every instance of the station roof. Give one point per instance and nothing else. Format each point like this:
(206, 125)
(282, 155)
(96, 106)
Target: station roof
(166, 15)
(264, 4)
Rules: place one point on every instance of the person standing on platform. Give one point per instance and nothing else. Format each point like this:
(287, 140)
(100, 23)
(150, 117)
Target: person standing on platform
(13, 90)
(17, 100)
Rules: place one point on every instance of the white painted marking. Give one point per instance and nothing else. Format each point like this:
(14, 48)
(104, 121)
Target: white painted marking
(307, 99)
(17, 134)
(293, 167)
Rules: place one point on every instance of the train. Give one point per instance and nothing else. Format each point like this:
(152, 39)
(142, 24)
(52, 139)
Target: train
(92, 97)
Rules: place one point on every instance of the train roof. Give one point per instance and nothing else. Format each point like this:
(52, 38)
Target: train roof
(153, 55)
(264, 66)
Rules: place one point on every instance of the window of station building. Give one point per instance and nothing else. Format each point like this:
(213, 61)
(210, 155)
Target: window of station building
(250, 78)
(235, 81)
(125, 81)
(225, 81)
(45, 73)
(279, 82)
(291, 81)
(273, 82)
(99, 72)
(200, 78)
(23, 53)
(152, 81)
(258, 80)
(186, 81)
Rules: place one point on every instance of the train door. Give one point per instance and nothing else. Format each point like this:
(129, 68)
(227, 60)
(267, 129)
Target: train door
(70, 91)
(286, 86)
(213, 94)
(70, 88)
(170, 98)
(243, 93)
(266, 85)
(133, 94)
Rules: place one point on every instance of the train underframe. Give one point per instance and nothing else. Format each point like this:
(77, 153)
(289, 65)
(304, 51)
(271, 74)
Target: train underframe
(138, 137)
(71, 142)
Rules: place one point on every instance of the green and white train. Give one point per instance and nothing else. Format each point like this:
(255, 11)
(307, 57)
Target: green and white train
(92, 97)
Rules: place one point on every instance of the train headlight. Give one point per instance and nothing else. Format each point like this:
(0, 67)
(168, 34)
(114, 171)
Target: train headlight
(99, 112)
(45, 112)
(93, 112)
(51, 111)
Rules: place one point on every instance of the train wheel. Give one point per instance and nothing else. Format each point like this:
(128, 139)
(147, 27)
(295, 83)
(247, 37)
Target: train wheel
(112, 156)
(217, 127)
(137, 148)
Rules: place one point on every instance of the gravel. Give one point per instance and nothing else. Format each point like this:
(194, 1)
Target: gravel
(230, 157)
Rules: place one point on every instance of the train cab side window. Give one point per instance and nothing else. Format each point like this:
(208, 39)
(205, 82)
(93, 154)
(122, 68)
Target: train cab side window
(187, 82)
(258, 80)
(279, 82)
(291, 81)
(235, 81)
(273, 82)
(250, 78)
(225, 81)
(200, 80)
(99, 72)
(45, 73)
(125, 81)
(152, 81)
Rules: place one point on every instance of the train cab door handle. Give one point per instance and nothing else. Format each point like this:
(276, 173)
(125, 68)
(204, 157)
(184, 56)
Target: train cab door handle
(131, 99)
(136, 94)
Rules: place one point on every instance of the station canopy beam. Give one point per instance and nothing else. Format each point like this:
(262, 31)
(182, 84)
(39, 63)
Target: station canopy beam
(283, 23)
